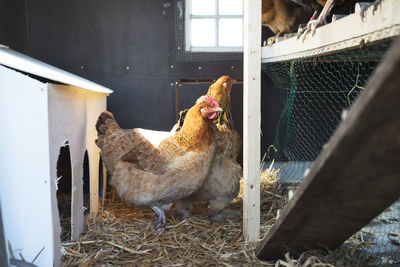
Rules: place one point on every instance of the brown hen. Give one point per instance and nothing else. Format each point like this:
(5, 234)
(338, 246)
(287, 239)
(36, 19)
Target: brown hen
(151, 177)
(222, 184)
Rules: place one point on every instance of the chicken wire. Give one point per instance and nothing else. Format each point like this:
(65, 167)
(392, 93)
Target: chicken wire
(311, 96)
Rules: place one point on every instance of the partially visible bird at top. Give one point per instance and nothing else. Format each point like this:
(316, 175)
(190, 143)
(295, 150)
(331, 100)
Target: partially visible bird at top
(284, 16)
(327, 7)
(223, 182)
(153, 177)
(340, 7)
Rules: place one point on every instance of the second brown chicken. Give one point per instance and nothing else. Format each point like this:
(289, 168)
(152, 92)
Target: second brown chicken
(223, 182)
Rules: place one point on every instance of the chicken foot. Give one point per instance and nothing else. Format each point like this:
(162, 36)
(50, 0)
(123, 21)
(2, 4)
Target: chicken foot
(217, 216)
(303, 28)
(159, 216)
(217, 206)
(314, 23)
(273, 39)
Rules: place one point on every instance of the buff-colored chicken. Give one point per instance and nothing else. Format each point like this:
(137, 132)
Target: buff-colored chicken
(222, 184)
(152, 177)
(284, 16)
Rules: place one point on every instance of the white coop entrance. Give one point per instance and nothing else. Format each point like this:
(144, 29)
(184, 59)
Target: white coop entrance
(43, 107)
(64, 186)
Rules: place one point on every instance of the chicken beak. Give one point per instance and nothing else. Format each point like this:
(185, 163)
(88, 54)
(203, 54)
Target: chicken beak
(218, 109)
(214, 112)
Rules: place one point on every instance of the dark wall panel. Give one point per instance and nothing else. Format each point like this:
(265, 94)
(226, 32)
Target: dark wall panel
(103, 36)
(143, 103)
(128, 46)
(13, 25)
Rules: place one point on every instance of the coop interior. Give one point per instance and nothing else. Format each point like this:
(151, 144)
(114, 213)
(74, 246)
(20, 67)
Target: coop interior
(317, 172)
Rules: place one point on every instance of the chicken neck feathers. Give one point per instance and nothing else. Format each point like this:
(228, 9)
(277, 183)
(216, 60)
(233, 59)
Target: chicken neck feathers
(195, 133)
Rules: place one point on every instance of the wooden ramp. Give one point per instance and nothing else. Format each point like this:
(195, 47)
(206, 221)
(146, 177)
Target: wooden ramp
(356, 176)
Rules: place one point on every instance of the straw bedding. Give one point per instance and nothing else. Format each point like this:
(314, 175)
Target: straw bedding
(125, 236)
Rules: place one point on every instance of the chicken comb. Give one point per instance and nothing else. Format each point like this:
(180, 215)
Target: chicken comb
(212, 100)
(206, 98)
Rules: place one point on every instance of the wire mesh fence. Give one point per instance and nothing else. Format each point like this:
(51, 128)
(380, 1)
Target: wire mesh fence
(312, 94)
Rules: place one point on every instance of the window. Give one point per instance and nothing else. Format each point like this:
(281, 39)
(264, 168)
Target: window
(214, 25)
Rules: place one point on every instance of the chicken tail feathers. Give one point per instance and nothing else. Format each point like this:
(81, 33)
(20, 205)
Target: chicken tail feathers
(105, 125)
(106, 122)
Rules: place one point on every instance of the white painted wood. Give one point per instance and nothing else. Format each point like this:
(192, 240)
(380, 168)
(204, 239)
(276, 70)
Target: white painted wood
(345, 33)
(251, 119)
(67, 122)
(96, 103)
(73, 113)
(25, 181)
(13, 59)
(38, 119)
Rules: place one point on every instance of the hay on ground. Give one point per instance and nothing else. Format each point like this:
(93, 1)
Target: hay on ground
(122, 235)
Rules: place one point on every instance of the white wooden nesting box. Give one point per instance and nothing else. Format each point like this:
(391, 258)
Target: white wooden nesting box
(42, 108)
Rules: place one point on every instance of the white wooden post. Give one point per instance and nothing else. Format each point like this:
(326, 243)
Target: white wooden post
(251, 118)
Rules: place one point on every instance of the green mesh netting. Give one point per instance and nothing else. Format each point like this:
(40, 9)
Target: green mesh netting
(308, 98)
(312, 94)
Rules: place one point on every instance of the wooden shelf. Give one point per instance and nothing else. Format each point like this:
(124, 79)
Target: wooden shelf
(345, 33)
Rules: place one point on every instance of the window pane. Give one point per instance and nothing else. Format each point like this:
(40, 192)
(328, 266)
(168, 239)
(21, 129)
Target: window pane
(230, 7)
(203, 32)
(230, 32)
(203, 7)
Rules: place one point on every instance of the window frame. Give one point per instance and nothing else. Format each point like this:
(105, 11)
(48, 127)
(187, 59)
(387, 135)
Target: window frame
(217, 17)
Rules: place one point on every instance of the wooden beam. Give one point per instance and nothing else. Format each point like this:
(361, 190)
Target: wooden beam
(251, 118)
(379, 23)
(355, 177)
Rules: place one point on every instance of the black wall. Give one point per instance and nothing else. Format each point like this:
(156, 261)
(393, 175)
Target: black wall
(126, 45)
(13, 25)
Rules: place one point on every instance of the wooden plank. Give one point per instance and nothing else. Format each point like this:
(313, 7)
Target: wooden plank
(27, 188)
(380, 23)
(251, 119)
(95, 103)
(16, 60)
(94, 159)
(355, 177)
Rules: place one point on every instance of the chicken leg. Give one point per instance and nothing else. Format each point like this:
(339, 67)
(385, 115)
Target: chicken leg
(184, 207)
(313, 24)
(159, 216)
